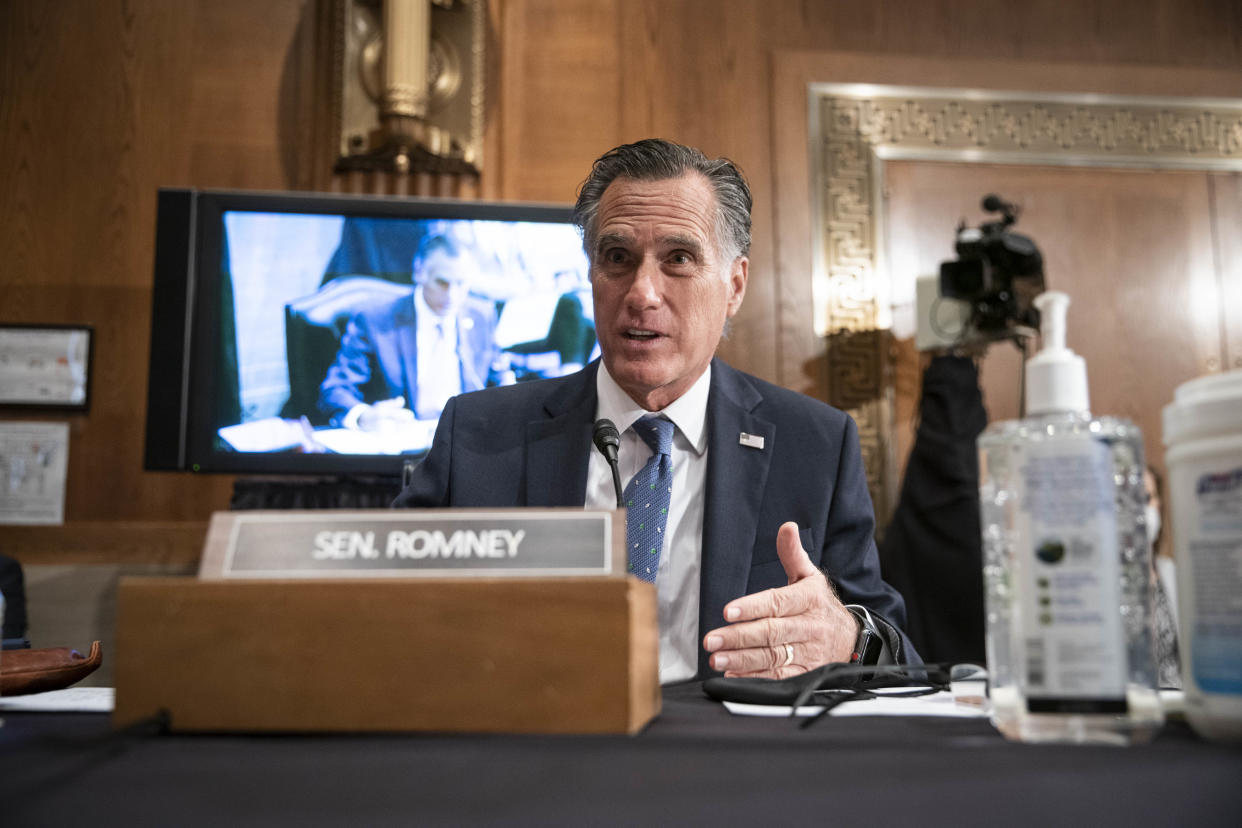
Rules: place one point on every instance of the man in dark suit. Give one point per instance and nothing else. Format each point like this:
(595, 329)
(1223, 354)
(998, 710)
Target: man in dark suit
(402, 359)
(769, 524)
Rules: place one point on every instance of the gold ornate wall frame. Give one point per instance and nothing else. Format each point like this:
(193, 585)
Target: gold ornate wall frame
(855, 128)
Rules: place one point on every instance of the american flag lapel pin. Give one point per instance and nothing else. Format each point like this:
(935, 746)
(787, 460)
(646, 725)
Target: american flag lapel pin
(754, 441)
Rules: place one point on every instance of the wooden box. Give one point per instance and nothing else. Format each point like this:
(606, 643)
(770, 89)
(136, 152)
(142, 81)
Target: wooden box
(524, 655)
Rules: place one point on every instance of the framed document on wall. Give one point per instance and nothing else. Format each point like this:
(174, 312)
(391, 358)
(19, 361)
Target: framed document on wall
(46, 366)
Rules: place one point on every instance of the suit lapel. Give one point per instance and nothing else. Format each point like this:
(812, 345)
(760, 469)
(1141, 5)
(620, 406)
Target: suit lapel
(736, 476)
(467, 352)
(406, 326)
(558, 448)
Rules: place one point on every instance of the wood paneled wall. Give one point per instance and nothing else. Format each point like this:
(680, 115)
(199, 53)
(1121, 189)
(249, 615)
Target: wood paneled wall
(103, 101)
(1134, 249)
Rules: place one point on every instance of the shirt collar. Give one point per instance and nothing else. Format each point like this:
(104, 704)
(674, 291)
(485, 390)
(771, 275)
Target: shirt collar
(688, 412)
(423, 311)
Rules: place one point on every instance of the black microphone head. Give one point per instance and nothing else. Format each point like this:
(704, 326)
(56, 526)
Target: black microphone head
(606, 436)
(993, 203)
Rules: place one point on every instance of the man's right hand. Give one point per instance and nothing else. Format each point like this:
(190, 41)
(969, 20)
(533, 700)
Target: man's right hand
(385, 415)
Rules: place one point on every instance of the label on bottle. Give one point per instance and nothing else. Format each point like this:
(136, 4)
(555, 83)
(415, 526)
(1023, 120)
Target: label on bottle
(1069, 578)
(1216, 566)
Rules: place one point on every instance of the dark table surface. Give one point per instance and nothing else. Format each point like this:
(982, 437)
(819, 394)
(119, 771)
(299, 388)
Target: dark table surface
(695, 764)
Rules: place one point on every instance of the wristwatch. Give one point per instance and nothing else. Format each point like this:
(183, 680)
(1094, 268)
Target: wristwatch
(869, 645)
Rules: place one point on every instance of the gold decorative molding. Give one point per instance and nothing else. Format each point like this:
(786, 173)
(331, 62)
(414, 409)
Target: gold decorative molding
(854, 128)
(1101, 132)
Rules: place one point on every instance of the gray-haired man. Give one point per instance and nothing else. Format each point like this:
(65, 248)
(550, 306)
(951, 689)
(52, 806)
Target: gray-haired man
(767, 487)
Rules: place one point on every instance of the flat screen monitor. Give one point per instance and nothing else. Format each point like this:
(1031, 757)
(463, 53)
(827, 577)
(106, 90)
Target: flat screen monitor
(298, 333)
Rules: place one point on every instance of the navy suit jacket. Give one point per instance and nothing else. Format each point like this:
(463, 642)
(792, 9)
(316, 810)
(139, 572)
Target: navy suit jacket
(529, 445)
(378, 356)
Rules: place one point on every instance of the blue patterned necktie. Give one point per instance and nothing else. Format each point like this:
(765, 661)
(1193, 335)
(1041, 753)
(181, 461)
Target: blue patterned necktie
(647, 498)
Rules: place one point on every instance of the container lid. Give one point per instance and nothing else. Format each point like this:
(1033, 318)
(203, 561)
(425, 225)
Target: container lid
(1208, 406)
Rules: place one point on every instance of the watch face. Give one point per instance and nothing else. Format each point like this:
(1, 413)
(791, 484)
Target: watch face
(869, 645)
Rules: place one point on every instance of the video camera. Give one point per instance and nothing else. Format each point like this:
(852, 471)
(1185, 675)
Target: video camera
(994, 279)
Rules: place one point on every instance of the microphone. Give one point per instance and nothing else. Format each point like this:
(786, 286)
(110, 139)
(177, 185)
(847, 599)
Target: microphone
(607, 440)
(1009, 211)
(994, 203)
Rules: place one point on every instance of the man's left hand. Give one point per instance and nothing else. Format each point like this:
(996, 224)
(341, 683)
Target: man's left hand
(806, 616)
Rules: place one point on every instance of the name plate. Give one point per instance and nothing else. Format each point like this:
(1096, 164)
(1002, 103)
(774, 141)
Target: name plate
(385, 543)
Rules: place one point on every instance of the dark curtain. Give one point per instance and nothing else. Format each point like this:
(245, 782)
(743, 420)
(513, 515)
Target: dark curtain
(376, 247)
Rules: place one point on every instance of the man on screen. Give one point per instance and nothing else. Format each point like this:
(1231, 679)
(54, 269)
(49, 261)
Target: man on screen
(402, 359)
(755, 493)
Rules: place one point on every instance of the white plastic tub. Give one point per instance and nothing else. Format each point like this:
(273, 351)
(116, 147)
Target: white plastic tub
(1203, 436)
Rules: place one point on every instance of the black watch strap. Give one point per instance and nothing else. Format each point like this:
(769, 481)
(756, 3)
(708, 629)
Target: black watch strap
(870, 644)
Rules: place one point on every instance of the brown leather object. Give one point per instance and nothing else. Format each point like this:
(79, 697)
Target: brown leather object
(50, 668)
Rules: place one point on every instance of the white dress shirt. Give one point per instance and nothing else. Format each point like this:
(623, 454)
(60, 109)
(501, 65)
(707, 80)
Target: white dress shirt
(439, 368)
(677, 579)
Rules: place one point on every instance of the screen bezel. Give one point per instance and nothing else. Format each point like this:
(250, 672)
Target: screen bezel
(199, 216)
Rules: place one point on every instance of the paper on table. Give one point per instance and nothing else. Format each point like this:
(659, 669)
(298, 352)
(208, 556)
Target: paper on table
(935, 704)
(70, 700)
(414, 436)
(267, 434)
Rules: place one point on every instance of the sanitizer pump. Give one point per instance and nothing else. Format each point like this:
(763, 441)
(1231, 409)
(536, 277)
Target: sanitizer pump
(1066, 560)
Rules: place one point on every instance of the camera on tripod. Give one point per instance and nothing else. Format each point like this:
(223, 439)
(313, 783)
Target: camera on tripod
(987, 293)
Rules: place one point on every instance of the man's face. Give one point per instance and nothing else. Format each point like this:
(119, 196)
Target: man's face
(662, 293)
(445, 280)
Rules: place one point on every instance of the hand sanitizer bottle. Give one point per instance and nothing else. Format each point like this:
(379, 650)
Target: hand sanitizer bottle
(1066, 561)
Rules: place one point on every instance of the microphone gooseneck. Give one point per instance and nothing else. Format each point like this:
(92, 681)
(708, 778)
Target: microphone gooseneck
(607, 439)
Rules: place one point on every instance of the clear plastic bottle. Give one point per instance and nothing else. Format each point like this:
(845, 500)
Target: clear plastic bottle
(1067, 568)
